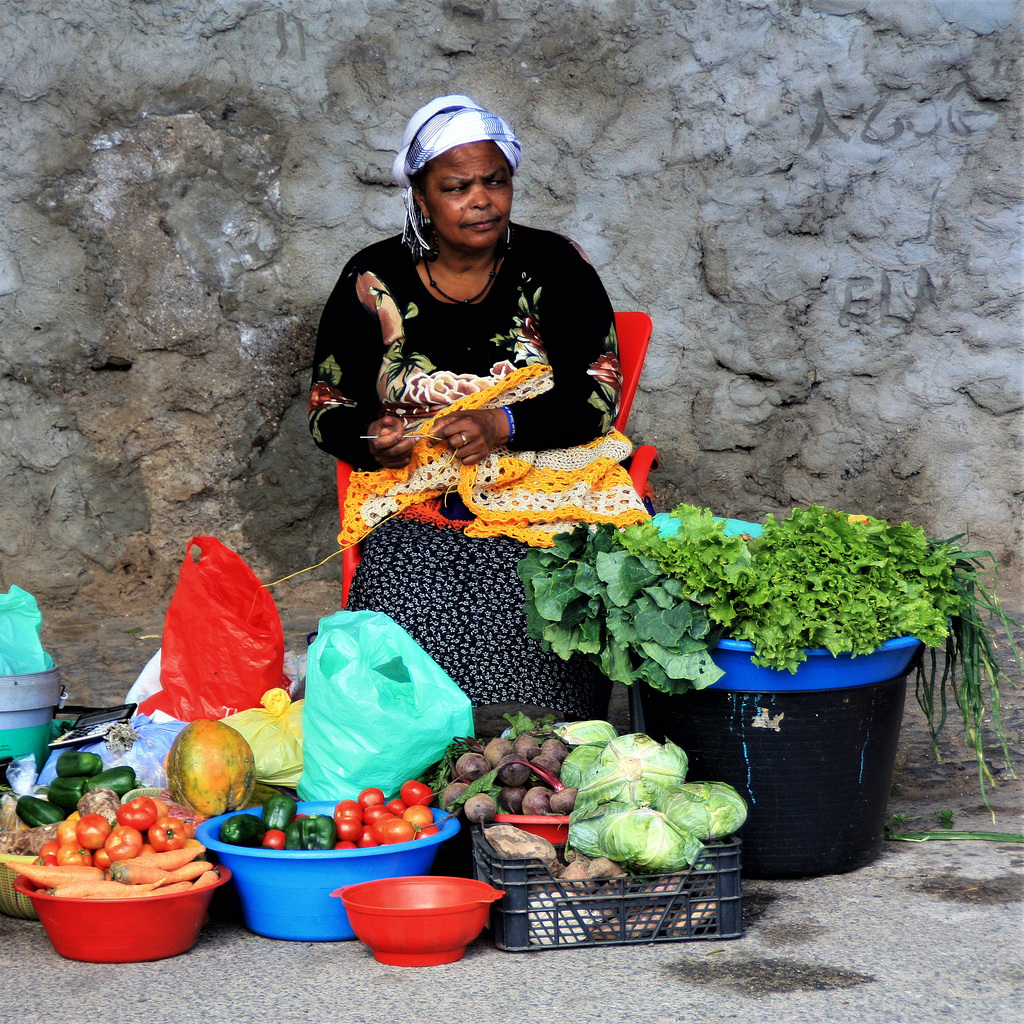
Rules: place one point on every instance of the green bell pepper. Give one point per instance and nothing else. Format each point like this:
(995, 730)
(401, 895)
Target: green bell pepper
(66, 792)
(241, 830)
(278, 812)
(76, 763)
(315, 832)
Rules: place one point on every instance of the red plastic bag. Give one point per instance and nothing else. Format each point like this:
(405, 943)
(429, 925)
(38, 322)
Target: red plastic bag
(222, 645)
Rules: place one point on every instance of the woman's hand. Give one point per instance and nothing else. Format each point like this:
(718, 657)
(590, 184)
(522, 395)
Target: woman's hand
(390, 447)
(472, 435)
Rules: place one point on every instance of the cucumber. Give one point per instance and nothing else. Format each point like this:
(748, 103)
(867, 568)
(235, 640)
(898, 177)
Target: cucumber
(35, 812)
(75, 763)
(120, 780)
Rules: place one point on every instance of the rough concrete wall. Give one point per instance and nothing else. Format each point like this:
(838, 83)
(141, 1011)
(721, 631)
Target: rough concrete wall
(818, 202)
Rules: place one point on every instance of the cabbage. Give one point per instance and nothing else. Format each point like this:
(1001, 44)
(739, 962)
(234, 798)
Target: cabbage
(584, 837)
(645, 842)
(593, 731)
(708, 810)
(580, 758)
(633, 769)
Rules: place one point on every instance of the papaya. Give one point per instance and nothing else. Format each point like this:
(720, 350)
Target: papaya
(210, 768)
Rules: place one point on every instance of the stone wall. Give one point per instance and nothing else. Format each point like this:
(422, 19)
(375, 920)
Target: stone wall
(818, 201)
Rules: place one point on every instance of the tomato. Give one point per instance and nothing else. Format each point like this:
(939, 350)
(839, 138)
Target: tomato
(349, 828)
(101, 858)
(371, 797)
(72, 854)
(139, 813)
(413, 792)
(273, 839)
(91, 831)
(378, 824)
(397, 830)
(162, 810)
(49, 848)
(124, 843)
(396, 807)
(167, 834)
(66, 832)
(372, 813)
(427, 830)
(419, 815)
(348, 809)
(345, 844)
(367, 838)
(48, 859)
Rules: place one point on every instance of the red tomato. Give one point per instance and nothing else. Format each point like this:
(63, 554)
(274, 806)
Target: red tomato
(413, 792)
(397, 830)
(345, 844)
(349, 829)
(273, 839)
(348, 809)
(66, 832)
(72, 854)
(49, 848)
(396, 807)
(101, 858)
(378, 824)
(92, 830)
(370, 797)
(375, 811)
(123, 843)
(167, 834)
(427, 830)
(162, 810)
(49, 859)
(367, 838)
(419, 815)
(139, 813)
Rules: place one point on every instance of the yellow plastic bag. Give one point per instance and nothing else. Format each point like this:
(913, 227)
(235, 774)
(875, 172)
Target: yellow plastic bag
(274, 732)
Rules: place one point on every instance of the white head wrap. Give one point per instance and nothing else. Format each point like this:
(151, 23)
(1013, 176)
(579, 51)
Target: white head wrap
(440, 125)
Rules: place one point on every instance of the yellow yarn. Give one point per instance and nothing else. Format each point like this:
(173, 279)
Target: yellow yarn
(529, 496)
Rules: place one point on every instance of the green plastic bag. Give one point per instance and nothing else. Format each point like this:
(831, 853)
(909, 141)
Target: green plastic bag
(378, 709)
(21, 652)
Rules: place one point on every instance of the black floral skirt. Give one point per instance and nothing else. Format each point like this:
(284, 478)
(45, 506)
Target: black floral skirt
(460, 599)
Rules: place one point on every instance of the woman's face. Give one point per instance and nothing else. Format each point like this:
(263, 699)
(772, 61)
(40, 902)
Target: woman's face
(467, 194)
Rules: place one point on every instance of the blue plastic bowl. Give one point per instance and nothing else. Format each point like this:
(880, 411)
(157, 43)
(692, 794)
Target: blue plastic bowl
(286, 894)
(821, 671)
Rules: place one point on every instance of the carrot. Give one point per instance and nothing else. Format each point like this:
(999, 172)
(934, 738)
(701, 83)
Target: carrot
(207, 878)
(185, 886)
(45, 875)
(132, 871)
(169, 860)
(101, 889)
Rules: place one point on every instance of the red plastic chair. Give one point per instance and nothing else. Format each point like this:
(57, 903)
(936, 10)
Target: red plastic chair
(634, 332)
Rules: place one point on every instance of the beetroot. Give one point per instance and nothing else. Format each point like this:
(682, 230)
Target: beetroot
(471, 766)
(513, 772)
(451, 793)
(537, 801)
(563, 801)
(510, 799)
(551, 764)
(497, 750)
(526, 746)
(480, 809)
(554, 747)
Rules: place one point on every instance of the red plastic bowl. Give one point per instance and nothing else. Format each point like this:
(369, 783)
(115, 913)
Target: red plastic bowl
(419, 920)
(552, 827)
(124, 931)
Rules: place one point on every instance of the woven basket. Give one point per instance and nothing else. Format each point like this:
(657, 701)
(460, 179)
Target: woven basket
(13, 903)
(141, 791)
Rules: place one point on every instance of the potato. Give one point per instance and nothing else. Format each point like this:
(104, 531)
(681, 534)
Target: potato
(100, 801)
(509, 842)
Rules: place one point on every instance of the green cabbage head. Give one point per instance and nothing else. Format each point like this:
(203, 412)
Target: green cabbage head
(708, 810)
(645, 842)
(593, 731)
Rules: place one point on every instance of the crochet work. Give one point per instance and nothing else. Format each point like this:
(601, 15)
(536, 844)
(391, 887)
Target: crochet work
(530, 496)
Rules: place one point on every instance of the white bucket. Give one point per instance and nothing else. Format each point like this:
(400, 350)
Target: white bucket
(27, 704)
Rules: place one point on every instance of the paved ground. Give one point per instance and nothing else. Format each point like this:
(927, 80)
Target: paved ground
(929, 932)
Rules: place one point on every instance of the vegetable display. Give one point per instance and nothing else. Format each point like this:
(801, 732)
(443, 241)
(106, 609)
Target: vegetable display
(650, 601)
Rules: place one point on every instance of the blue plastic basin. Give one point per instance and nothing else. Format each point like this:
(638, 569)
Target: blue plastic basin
(821, 671)
(286, 894)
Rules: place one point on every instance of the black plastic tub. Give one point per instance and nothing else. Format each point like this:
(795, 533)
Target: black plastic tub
(815, 767)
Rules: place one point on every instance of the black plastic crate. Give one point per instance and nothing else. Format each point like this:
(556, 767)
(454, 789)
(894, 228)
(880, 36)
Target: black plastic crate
(541, 912)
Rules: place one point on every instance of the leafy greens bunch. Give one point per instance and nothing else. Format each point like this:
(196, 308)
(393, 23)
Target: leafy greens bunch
(588, 594)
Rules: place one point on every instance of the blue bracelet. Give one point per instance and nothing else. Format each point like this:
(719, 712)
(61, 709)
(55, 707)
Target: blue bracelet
(511, 422)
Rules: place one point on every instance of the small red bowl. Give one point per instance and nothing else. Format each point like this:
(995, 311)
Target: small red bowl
(123, 931)
(552, 827)
(418, 920)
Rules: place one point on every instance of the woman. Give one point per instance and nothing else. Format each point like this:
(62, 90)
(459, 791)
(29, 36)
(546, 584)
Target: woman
(469, 367)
